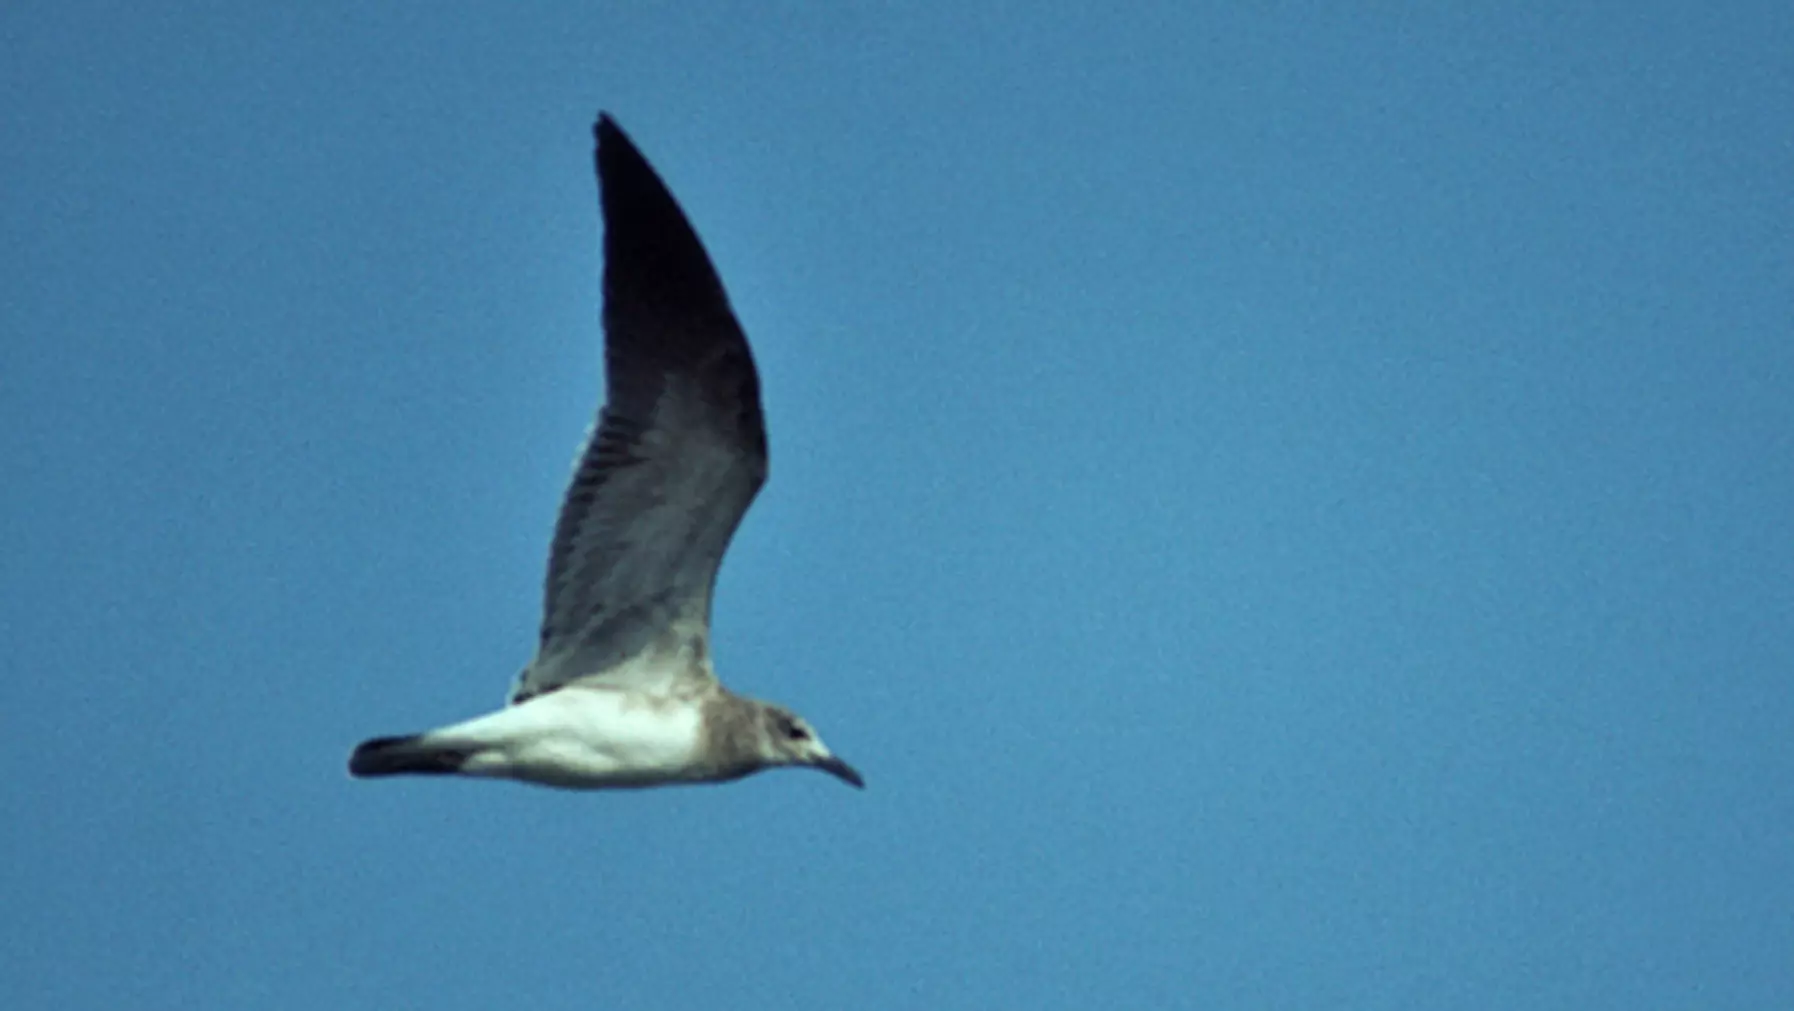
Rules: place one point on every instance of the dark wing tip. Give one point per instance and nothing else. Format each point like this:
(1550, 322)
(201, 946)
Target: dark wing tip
(663, 300)
(613, 152)
(605, 130)
(624, 172)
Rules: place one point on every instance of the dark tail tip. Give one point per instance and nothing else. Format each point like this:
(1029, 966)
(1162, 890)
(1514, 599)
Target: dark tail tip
(397, 756)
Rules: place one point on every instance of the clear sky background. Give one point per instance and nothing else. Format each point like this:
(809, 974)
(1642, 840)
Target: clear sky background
(1288, 508)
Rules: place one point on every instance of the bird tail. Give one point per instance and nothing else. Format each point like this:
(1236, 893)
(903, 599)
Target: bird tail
(411, 754)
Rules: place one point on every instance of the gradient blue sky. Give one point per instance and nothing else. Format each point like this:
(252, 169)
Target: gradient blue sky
(1288, 508)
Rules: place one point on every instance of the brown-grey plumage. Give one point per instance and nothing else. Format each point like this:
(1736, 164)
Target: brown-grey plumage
(745, 735)
(621, 692)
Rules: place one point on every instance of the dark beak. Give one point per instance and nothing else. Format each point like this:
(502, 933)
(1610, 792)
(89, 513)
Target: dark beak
(841, 770)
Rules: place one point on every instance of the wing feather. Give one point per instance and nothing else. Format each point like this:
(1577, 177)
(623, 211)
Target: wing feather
(678, 452)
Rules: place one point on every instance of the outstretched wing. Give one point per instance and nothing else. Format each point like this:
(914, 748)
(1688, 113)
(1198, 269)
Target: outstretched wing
(678, 452)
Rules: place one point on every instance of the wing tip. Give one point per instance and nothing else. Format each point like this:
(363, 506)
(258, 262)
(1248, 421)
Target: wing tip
(605, 126)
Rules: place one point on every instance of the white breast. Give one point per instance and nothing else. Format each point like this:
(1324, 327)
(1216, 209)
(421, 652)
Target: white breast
(585, 737)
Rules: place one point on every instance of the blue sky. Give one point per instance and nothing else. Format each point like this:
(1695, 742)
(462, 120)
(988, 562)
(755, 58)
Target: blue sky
(1287, 507)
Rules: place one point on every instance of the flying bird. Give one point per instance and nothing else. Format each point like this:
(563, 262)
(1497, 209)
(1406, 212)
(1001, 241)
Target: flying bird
(621, 692)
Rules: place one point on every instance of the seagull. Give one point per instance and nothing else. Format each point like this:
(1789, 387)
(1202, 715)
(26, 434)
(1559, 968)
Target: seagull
(621, 692)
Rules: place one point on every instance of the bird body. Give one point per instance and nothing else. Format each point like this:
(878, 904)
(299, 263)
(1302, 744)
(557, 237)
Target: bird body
(584, 736)
(621, 692)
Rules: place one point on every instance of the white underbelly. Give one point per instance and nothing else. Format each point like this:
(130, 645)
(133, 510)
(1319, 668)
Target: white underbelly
(582, 737)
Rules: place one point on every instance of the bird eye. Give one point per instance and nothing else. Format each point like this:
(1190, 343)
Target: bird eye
(796, 732)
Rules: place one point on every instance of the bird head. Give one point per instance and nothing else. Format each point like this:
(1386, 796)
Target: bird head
(790, 740)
